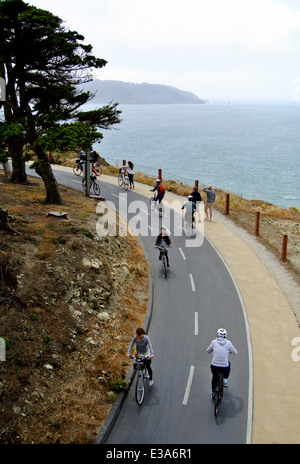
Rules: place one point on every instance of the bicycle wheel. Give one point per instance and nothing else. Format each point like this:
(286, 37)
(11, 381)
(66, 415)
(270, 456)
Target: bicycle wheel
(126, 183)
(77, 169)
(98, 168)
(152, 203)
(96, 188)
(161, 210)
(120, 180)
(165, 265)
(188, 228)
(140, 389)
(217, 403)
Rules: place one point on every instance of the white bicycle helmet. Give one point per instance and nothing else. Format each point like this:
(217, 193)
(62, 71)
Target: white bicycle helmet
(222, 333)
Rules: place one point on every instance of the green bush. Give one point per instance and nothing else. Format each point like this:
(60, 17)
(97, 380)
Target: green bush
(117, 386)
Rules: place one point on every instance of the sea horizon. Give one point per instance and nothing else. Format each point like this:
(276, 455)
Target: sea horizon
(250, 149)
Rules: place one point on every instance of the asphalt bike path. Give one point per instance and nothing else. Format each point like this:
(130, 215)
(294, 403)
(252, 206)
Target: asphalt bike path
(197, 298)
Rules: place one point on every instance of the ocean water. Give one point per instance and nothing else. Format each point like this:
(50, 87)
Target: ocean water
(249, 149)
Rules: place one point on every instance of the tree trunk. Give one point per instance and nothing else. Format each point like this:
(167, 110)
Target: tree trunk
(15, 150)
(43, 169)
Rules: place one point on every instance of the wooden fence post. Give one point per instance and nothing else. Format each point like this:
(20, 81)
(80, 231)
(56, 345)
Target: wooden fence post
(284, 247)
(257, 219)
(160, 174)
(197, 184)
(227, 204)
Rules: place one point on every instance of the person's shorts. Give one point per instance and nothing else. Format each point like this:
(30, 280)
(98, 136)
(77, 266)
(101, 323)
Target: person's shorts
(159, 197)
(209, 206)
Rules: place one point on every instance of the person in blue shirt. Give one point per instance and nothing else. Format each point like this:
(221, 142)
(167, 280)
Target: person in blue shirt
(210, 199)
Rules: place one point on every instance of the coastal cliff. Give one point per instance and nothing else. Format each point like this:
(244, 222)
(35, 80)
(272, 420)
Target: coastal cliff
(130, 93)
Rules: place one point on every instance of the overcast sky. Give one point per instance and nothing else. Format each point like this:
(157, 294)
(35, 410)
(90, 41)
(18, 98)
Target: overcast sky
(228, 49)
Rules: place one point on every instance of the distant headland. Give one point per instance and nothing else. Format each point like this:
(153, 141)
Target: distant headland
(134, 94)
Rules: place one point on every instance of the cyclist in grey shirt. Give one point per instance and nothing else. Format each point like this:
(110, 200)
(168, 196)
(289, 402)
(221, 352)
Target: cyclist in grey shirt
(143, 348)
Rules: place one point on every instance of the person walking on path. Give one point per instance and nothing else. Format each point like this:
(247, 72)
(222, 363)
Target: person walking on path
(130, 172)
(210, 199)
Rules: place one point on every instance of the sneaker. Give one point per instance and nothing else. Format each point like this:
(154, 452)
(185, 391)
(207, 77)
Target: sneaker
(212, 394)
(150, 383)
(225, 383)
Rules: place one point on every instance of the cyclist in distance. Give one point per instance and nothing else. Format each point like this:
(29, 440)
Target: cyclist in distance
(160, 191)
(163, 237)
(190, 208)
(143, 348)
(221, 348)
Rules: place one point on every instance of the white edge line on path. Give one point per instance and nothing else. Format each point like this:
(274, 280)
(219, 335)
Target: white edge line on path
(192, 282)
(250, 357)
(188, 386)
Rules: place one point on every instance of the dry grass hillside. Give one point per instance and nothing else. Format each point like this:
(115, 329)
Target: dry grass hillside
(69, 305)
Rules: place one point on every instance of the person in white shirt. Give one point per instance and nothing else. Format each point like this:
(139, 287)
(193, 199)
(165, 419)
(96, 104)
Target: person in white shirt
(221, 348)
(130, 172)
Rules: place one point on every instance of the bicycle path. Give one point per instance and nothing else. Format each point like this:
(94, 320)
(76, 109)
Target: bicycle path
(273, 329)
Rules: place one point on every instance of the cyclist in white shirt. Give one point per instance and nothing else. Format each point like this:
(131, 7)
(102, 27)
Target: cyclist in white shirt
(221, 348)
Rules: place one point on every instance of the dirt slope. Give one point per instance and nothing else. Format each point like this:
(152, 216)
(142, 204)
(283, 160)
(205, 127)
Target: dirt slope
(68, 310)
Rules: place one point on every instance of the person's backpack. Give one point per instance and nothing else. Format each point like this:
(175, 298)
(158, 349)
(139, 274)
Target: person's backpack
(161, 188)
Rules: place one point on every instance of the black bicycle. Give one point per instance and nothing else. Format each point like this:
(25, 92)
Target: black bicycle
(156, 204)
(94, 184)
(218, 393)
(142, 377)
(189, 224)
(163, 251)
(79, 166)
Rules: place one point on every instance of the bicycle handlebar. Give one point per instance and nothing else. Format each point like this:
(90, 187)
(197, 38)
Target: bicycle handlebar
(140, 358)
(163, 248)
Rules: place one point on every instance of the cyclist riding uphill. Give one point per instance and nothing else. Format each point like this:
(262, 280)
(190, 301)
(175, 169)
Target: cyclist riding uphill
(160, 191)
(190, 208)
(221, 348)
(162, 239)
(143, 348)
